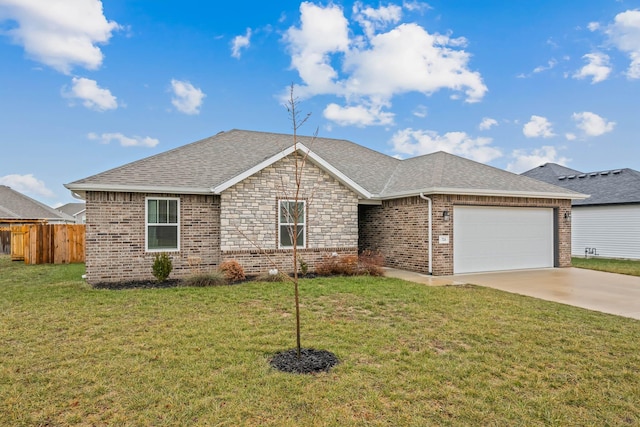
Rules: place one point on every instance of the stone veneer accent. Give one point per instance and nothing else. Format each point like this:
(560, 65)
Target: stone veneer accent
(249, 217)
(115, 236)
(399, 229)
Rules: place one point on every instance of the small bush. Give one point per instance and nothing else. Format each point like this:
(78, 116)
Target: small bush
(368, 263)
(345, 265)
(201, 280)
(232, 270)
(304, 267)
(327, 266)
(162, 266)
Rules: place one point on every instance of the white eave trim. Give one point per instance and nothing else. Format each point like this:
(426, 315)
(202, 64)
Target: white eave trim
(80, 189)
(487, 192)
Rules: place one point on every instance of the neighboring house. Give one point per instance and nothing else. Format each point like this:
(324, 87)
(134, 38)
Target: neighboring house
(230, 197)
(607, 223)
(16, 208)
(76, 210)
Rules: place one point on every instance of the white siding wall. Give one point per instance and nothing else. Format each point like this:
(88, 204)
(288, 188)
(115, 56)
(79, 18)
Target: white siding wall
(613, 230)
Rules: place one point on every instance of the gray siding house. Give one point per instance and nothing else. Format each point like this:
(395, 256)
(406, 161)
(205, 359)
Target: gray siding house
(607, 223)
(230, 196)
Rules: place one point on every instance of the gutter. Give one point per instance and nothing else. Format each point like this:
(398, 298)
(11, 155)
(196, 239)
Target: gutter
(430, 232)
(572, 195)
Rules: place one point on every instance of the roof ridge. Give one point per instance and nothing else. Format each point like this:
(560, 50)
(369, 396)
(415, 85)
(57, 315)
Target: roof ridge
(391, 176)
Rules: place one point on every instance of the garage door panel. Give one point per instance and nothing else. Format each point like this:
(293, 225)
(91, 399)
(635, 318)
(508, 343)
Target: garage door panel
(492, 239)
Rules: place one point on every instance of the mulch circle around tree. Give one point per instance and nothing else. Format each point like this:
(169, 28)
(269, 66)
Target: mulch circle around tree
(311, 361)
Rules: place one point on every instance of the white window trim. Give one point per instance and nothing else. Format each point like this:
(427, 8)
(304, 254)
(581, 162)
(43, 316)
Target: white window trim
(146, 224)
(280, 224)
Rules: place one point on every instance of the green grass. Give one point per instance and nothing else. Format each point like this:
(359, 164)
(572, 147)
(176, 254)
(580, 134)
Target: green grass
(411, 355)
(621, 266)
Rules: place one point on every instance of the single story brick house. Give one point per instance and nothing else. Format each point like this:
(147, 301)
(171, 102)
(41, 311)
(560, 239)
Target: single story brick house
(607, 224)
(229, 197)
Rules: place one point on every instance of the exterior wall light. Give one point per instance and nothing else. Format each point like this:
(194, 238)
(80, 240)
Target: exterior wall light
(567, 216)
(445, 215)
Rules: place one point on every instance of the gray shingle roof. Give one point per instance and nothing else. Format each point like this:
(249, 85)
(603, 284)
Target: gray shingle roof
(17, 206)
(605, 187)
(210, 163)
(444, 171)
(72, 208)
(549, 172)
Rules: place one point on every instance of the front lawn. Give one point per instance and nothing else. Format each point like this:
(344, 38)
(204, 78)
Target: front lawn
(621, 266)
(411, 355)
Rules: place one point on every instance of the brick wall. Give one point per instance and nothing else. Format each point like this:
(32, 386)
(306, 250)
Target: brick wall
(115, 239)
(249, 217)
(399, 229)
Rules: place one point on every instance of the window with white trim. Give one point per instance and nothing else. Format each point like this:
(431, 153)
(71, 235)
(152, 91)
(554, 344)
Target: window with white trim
(162, 224)
(288, 212)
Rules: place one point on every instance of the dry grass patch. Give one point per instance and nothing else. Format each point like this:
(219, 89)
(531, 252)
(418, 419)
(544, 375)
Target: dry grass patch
(409, 355)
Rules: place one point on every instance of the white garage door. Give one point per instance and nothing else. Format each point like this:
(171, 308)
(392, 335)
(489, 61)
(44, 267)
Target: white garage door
(494, 239)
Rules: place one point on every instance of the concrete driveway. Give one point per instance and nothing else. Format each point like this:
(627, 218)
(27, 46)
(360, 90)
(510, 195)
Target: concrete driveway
(595, 290)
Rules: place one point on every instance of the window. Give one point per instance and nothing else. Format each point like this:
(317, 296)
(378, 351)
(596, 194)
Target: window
(289, 211)
(163, 224)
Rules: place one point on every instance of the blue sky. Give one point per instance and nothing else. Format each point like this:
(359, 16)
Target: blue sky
(86, 86)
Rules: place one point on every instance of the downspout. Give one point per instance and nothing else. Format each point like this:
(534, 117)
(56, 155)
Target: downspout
(428, 199)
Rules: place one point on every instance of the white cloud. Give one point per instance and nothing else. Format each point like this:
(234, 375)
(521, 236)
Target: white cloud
(421, 111)
(597, 67)
(417, 142)
(26, 184)
(125, 141)
(416, 6)
(487, 123)
(550, 64)
(186, 98)
(323, 31)
(538, 127)
(93, 96)
(359, 115)
(592, 124)
(59, 33)
(409, 59)
(570, 136)
(371, 69)
(372, 19)
(624, 33)
(593, 26)
(525, 160)
(239, 43)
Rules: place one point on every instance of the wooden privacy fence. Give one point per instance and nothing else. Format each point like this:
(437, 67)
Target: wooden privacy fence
(5, 240)
(48, 243)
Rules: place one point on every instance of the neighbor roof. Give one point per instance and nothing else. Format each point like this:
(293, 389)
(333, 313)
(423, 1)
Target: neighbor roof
(214, 164)
(17, 206)
(605, 187)
(72, 209)
(549, 172)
